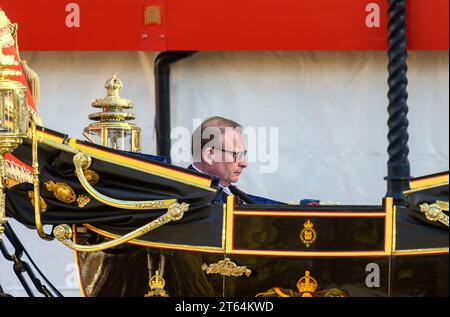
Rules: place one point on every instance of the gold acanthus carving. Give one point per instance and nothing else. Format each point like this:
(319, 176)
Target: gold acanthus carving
(226, 268)
(42, 204)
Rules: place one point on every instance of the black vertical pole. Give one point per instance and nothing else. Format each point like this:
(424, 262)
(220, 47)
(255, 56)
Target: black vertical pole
(162, 99)
(398, 164)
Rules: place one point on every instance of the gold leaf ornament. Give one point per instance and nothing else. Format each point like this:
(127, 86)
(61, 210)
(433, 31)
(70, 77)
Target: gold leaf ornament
(42, 203)
(226, 268)
(83, 200)
(91, 176)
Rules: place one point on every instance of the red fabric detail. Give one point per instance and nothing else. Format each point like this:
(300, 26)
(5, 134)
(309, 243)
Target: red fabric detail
(11, 157)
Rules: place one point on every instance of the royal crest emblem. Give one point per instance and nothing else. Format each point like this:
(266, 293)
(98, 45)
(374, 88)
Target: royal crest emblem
(308, 234)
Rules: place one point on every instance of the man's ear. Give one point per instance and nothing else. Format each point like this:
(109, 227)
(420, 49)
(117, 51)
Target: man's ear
(208, 155)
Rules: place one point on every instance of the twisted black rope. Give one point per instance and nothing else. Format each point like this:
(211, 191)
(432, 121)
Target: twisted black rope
(398, 164)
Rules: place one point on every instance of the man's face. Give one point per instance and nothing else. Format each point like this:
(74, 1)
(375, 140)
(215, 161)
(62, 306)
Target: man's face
(224, 163)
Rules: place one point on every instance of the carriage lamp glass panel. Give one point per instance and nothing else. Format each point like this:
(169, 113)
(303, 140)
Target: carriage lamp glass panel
(13, 112)
(119, 139)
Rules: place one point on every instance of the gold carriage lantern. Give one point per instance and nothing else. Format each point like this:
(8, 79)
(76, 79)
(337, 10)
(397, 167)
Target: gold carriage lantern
(13, 120)
(112, 129)
(13, 107)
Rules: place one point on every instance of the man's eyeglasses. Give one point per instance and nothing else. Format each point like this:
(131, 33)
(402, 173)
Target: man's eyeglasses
(237, 156)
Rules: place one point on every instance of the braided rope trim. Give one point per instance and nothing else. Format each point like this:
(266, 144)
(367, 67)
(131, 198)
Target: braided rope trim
(17, 172)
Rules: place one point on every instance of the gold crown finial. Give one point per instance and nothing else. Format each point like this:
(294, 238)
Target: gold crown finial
(112, 105)
(113, 86)
(308, 224)
(307, 285)
(157, 282)
(112, 127)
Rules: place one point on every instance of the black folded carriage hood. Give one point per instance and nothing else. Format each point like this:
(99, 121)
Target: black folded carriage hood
(125, 176)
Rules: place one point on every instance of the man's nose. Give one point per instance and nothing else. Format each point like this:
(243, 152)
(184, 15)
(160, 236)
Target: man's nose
(243, 163)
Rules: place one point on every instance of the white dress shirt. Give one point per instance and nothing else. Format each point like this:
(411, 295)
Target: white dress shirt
(226, 190)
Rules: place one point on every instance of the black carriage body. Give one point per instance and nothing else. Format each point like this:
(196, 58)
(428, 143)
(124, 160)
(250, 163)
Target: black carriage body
(236, 249)
(372, 269)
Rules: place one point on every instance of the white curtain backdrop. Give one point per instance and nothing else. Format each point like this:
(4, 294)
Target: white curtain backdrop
(329, 109)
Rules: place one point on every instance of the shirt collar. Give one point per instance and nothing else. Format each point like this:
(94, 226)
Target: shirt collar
(225, 188)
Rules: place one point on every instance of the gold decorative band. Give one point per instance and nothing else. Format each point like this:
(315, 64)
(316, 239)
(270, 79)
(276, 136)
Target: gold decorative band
(429, 182)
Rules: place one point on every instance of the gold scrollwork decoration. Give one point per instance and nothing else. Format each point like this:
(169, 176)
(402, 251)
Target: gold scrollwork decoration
(42, 203)
(434, 212)
(63, 192)
(226, 268)
(82, 161)
(64, 232)
(308, 234)
(442, 204)
(157, 284)
(157, 204)
(83, 200)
